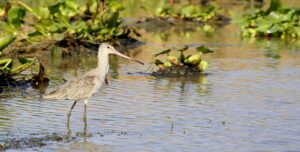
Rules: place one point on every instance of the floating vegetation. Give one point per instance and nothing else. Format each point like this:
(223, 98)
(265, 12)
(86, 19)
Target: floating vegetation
(174, 14)
(7, 70)
(11, 69)
(65, 20)
(188, 12)
(65, 23)
(276, 21)
(181, 65)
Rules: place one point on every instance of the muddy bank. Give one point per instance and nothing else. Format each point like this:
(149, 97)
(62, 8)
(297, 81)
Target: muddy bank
(40, 140)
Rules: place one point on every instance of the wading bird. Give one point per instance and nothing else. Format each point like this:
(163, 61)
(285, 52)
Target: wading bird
(85, 86)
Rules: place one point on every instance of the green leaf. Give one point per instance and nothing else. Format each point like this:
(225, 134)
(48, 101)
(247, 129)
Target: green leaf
(6, 40)
(15, 16)
(2, 11)
(183, 49)
(116, 6)
(71, 4)
(42, 29)
(163, 52)
(204, 49)
(7, 27)
(93, 5)
(113, 20)
(189, 11)
(20, 68)
(54, 8)
(41, 12)
(79, 26)
(24, 60)
(275, 5)
(275, 29)
(56, 28)
(6, 64)
(158, 62)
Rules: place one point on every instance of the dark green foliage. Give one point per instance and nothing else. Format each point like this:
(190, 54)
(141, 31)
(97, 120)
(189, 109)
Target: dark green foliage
(188, 12)
(15, 16)
(181, 65)
(204, 49)
(7, 70)
(6, 40)
(64, 20)
(275, 21)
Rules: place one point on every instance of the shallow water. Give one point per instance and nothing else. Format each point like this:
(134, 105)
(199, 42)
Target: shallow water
(248, 101)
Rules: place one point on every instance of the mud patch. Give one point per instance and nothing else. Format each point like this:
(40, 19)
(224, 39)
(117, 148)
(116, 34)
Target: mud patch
(40, 140)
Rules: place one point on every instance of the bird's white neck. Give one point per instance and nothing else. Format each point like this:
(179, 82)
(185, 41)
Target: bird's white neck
(103, 65)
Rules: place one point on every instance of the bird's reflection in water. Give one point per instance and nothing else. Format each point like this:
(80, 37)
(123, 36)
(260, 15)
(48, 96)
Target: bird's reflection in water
(84, 134)
(203, 87)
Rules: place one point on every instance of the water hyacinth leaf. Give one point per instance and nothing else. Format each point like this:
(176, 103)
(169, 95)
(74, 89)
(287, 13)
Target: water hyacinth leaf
(173, 59)
(6, 40)
(183, 49)
(41, 12)
(41, 29)
(276, 21)
(158, 62)
(167, 51)
(2, 11)
(71, 4)
(182, 57)
(193, 59)
(57, 28)
(6, 64)
(189, 11)
(275, 29)
(68, 8)
(33, 34)
(113, 20)
(296, 30)
(167, 64)
(15, 16)
(54, 9)
(275, 17)
(79, 26)
(27, 63)
(204, 49)
(116, 6)
(274, 6)
(263, 28)
(24, 60)
(262, 24)
(20, 68)
(92, 6)
(203, 65)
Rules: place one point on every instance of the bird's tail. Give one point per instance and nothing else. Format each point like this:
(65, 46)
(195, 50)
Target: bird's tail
(55, 95)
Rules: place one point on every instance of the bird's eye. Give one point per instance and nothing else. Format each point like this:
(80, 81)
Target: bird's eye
(108, 47)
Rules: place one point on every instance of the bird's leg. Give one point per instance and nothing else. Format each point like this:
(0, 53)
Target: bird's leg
(106, 81)
(69, 113)
(84, 115)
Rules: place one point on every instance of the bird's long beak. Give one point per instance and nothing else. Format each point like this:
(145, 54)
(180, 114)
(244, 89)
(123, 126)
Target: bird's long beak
(126, 57)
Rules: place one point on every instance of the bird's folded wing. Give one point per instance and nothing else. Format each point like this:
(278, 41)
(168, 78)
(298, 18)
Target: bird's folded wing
(80, 88)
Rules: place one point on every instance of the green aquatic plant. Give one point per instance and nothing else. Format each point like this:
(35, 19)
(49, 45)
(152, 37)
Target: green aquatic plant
(181, 65)
(8, 70)
(276, 21)
(78, 22)
(11, 24)
(6, 40)
(66, 20)
(187, 12)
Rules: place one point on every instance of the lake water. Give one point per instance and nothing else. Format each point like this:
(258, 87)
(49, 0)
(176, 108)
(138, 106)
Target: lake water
(248, 101)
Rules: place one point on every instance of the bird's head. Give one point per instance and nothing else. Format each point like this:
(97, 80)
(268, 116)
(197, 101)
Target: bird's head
(109, 49)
